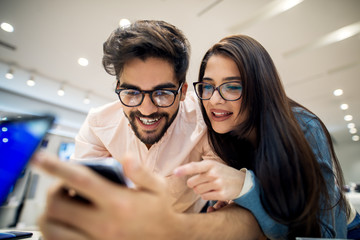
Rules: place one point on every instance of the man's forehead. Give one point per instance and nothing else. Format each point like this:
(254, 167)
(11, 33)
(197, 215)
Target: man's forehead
(148, 74)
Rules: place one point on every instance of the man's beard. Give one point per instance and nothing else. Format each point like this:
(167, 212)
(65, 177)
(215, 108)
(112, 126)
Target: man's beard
(150, 139)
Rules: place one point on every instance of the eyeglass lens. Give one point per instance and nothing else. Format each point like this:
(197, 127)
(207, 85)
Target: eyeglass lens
(229, 91)
(161, 98)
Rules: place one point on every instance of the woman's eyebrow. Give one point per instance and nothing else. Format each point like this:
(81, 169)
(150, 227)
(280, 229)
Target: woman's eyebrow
(207, 79)
(224, 79)
(232, 78)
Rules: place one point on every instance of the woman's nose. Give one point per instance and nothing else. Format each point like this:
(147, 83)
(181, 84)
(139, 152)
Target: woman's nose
(216, 97)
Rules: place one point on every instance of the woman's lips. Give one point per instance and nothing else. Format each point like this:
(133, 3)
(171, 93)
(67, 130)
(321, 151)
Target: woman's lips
(220, 115)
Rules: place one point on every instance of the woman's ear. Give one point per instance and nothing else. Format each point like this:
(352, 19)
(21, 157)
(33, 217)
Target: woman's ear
(183, 91)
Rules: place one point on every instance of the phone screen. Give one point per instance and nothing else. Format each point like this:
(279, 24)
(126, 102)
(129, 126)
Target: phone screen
(108, 168)
(19, 139)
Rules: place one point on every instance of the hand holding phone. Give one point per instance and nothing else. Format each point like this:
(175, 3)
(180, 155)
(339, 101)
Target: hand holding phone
(108, 168)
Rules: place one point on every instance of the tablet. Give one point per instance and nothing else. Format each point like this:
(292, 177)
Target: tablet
(20, 136)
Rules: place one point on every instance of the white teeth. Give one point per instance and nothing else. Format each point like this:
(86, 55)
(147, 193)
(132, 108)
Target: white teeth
(220, 114)
(149, 121)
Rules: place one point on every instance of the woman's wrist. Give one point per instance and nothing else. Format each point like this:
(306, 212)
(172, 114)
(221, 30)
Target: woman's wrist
(246, 183)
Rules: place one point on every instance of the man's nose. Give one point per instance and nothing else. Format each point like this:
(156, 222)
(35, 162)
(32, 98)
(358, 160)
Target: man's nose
(147, 107)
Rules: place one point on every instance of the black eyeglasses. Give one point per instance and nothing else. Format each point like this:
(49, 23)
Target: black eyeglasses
(160, 97)
(229, 91)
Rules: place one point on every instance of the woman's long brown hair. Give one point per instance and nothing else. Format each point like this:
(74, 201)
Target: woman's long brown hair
(294, 191)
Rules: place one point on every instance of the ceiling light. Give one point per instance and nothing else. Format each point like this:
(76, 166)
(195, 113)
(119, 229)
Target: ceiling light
(124, 22)
(355, 138)
(61, 92)
(7, 27)
(351, 125)
(31, 82)
(86, 99)
(348, 118)
(338, 92)
(338, 35)
(353, 130)
(289, 4)
(83, 62)
(10, 74)
(345, 32)
(344, 106)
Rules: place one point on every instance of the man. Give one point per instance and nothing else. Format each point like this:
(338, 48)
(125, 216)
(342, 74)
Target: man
(153, 119)
(162, 130)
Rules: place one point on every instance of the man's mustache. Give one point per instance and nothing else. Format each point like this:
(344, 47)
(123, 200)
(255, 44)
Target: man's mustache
(153, 115)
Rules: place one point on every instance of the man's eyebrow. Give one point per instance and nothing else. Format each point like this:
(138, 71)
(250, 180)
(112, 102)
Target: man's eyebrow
(128, 86)
(157, 87)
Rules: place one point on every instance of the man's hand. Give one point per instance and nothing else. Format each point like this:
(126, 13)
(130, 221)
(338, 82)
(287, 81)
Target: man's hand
(114, 212)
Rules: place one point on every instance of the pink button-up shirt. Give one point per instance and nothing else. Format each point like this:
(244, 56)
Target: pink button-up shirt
(107, 133)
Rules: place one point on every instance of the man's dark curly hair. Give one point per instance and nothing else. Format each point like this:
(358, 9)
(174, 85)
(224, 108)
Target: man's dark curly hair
(144, 39)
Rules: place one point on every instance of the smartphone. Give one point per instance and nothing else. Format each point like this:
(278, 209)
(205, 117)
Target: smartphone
(20, 137)
(108, 168)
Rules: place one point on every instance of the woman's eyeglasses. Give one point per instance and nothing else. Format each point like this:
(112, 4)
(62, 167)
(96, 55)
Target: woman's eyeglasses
(229, 91)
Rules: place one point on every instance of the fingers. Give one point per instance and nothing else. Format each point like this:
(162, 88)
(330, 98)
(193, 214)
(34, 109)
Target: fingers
(203, 178)
(209, 190)
(203, 188)
(84, 181)
(193, 168)
(63, 208)
(142, 177)
(52, 230)
(220, 204)
(210, 209)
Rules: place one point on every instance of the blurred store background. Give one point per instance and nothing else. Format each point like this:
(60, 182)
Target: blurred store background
(50, 62)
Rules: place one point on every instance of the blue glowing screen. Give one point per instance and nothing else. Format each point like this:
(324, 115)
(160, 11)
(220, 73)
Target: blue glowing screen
(19, 139)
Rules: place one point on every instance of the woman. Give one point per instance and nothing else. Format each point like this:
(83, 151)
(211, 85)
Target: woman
(290, 177)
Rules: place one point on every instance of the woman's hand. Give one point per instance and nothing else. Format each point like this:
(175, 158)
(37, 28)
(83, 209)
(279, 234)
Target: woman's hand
(213, 180)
